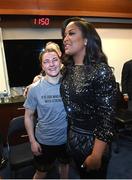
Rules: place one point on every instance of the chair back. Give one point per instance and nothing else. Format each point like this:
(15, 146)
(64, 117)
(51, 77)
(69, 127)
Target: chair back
(19, 149)
(17, 131)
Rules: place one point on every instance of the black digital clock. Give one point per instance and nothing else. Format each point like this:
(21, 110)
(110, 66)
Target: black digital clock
(41, 21)
(31, 21)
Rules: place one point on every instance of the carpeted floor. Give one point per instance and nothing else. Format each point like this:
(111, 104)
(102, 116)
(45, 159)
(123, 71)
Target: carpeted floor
(120, 166)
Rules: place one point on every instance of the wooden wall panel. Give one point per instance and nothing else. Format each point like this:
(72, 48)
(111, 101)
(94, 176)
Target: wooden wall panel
(98, 8)
(93, 8)
(8, 112)
(17, 4)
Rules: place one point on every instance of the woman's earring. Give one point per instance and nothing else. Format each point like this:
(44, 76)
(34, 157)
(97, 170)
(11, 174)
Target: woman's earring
(85, 43)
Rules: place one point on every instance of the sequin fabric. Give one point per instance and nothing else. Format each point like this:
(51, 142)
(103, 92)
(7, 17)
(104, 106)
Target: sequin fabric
(89, 94)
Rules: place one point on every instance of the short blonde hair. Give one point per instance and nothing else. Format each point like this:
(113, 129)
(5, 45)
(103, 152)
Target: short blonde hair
(53, 45)
(50, 47)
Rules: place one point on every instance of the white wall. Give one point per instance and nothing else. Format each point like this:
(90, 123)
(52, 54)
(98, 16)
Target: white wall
(117, 43)
(4, 82)
(31, 33)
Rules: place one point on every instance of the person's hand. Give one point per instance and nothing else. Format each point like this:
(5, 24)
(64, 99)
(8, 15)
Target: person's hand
(36, 148)
(37, 78)
(92, 162)
(126, 97)
(25, 91)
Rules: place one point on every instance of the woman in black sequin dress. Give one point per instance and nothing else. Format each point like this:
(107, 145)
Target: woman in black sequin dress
(88, 91)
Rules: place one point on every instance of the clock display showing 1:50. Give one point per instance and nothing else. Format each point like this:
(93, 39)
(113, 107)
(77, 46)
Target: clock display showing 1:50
(41, 21)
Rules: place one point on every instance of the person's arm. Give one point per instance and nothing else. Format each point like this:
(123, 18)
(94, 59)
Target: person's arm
(29, 124)
(105, 95)
(94, 160)
(35, 79)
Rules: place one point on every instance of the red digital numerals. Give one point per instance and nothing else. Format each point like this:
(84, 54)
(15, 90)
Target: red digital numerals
(41, 21)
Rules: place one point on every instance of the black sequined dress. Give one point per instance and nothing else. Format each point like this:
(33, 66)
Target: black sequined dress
(88, 93)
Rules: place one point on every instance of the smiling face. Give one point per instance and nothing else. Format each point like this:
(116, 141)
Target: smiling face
(74, 43)
(51, 64)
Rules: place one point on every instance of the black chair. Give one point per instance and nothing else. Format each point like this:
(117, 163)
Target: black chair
(123, 124)
(123, 120)
(19, 150)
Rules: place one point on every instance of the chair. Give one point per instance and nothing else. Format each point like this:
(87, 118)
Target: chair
(19, 149)
(123, 121)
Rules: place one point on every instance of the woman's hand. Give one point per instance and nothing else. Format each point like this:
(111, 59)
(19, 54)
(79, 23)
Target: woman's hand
(26, 91)
(126, 97)
(92, 162)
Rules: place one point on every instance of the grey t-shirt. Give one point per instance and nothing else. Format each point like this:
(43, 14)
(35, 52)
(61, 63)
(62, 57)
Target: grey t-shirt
(51, 128)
